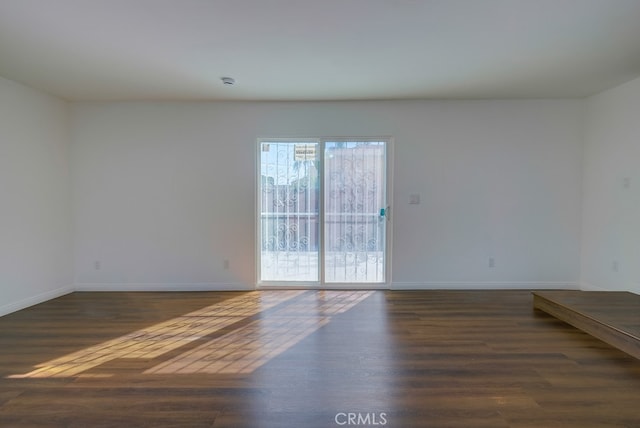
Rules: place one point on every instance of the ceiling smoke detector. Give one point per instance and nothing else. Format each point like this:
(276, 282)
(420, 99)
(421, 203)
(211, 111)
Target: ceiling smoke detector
(228, 80)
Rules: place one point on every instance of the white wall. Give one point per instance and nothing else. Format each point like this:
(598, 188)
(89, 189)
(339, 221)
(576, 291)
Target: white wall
(164, 192)
(35, 215)
(153, 203)
(611, 222)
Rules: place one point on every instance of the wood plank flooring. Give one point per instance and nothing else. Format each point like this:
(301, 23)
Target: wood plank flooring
(308, 359)
(613, 316)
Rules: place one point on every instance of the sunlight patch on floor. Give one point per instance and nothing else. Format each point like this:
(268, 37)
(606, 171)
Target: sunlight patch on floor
(164, 337)
(266, 335)
(247, 348)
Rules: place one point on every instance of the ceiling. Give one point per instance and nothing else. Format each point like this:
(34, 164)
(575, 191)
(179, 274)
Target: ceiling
(319, 50)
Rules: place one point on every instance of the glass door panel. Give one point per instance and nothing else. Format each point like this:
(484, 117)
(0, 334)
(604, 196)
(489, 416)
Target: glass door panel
(289, 211)
(355, 211)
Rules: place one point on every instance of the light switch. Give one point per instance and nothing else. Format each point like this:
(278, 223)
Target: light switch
(414, 199)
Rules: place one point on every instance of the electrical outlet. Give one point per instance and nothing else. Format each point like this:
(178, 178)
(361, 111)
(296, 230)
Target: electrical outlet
(97, 265)
(414, 199)
(225, 264)
(492, 262)
(615, 267)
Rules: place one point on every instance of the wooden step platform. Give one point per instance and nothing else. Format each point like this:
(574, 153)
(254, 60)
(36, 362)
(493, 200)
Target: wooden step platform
(611, 316)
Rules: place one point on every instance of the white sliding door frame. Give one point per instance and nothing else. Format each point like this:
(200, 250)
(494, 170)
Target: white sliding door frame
(321, 282)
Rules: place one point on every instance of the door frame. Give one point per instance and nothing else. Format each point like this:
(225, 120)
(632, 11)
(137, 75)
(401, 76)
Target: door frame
(389, 214)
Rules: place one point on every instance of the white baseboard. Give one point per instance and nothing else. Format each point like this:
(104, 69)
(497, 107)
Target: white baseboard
(329, 286)
(587, 286)
(34, 300)
(485, 285)
(427, 285)
(205, 286)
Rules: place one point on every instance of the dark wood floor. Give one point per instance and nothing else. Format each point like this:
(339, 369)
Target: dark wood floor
(612, 316)
(308, 359)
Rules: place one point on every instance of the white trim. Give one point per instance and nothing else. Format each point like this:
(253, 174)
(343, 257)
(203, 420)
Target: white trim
(34, 300)
(587, 286)
(322, 274)
(327, 286)
(399, 286)
(484, 285)
(389, 175)
(321, 283)
(200, 286)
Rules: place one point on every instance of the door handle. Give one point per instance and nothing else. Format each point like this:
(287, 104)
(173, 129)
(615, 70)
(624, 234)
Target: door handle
(386, 212)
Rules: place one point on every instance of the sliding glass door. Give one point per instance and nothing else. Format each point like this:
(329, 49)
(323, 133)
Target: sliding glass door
(322, 212)
(354, 211)
(289, 211)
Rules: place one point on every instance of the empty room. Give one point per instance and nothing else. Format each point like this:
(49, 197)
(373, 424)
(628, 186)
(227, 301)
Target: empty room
(279, 213)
